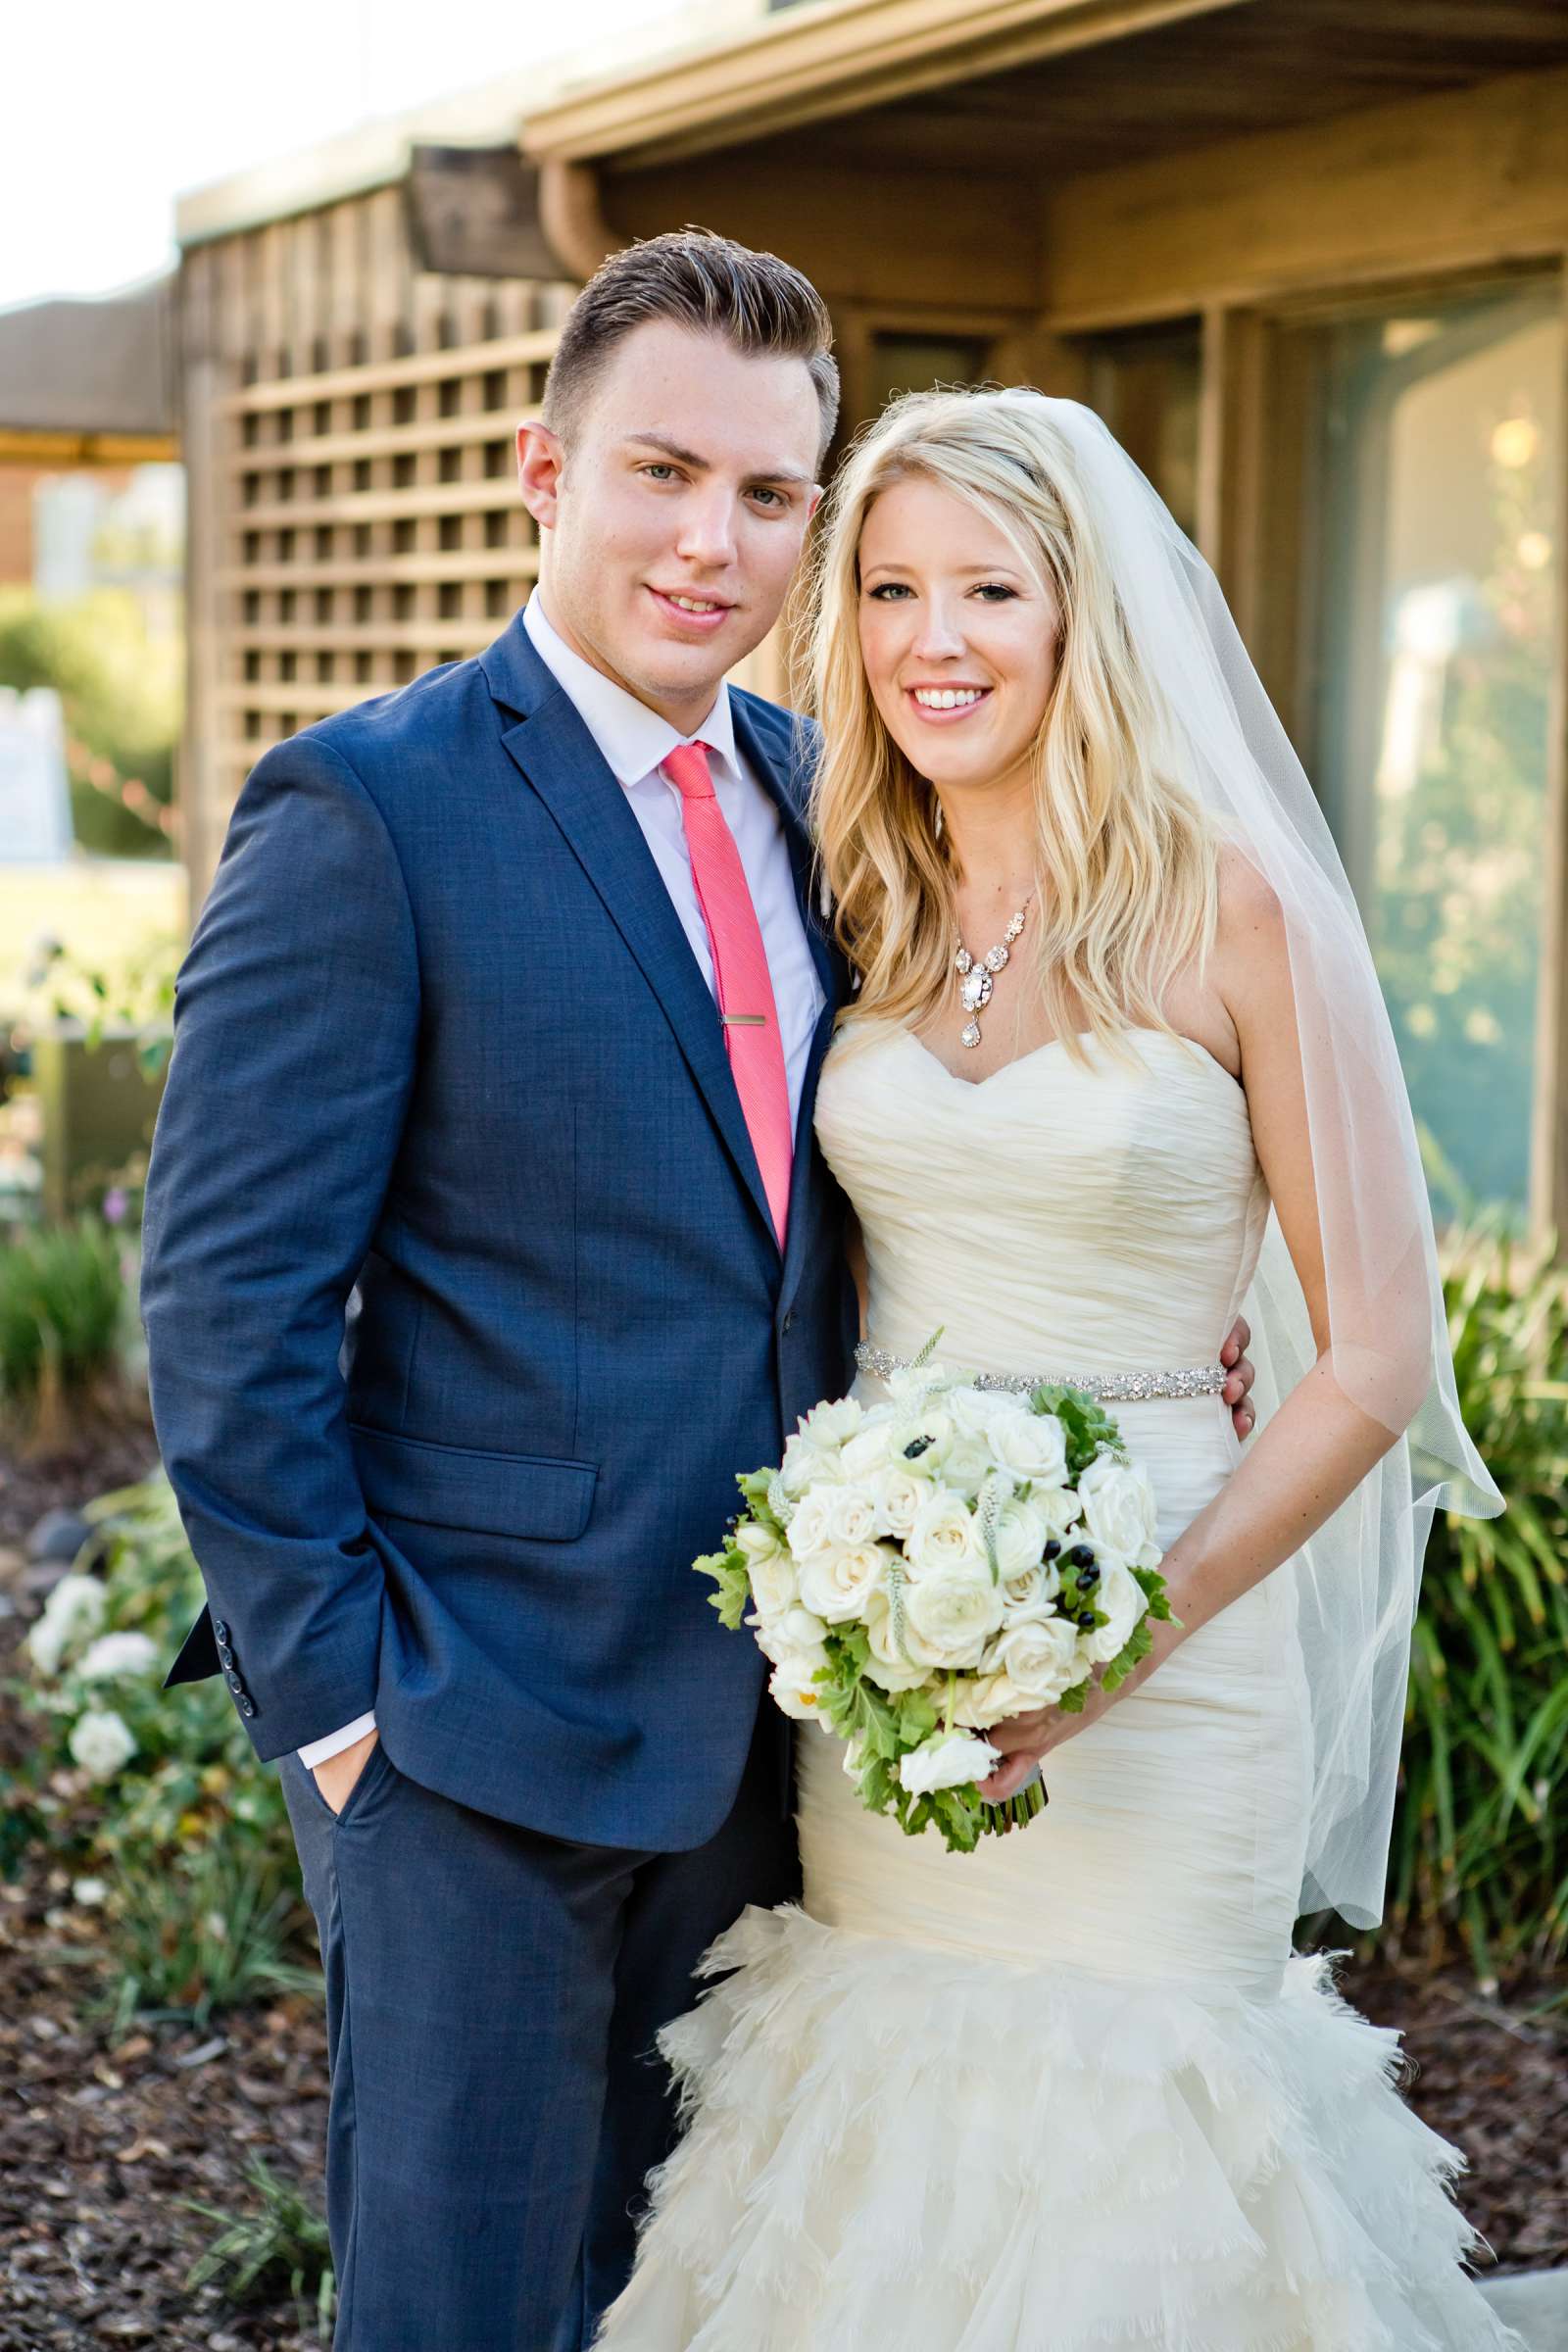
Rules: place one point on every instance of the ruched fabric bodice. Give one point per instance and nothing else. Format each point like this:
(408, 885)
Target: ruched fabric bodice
(1050, 1218)
(1070, 2092)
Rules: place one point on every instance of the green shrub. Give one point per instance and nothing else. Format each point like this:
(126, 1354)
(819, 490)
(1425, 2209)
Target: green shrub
(153, 1796)
(1480, 1856)
(62, 1301)
(279, 2247)
(121, 688)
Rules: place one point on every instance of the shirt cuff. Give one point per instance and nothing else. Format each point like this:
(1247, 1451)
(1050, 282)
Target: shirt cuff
(335, 1743)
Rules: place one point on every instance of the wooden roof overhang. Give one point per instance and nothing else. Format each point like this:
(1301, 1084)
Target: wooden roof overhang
(941, 153)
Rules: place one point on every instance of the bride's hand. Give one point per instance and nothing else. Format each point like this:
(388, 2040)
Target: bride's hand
(1025, 1740)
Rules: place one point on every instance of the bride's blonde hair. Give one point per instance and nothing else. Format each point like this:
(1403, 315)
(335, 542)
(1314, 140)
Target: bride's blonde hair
(1126, 860)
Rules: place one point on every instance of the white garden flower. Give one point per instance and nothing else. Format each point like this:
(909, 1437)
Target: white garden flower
(1040, 1658)
(947, 1760)
(1059, 1506)
(829, 1425)
(871, 1447)
(811, 1531)
(1032, 1595)
(852, 1516)
(90, 1893)
(101, 1742)
(1120, 1597)
(838, 1585)
(71, 1615)
(952, 1613)
(794, 1688)
(115, 1655)
(1030, 1445)
(778, 1638)
(899, 1493)
(1020, 1537)
(1119, 1515)
(774, 1587)
(806, 1465)
(886, 1666)
(943, 1537)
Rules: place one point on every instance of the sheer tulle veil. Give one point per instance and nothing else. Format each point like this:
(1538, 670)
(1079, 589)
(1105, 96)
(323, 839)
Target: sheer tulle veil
(1356, 1582)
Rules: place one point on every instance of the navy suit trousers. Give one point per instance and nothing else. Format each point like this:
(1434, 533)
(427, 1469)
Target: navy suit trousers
(493, 2001)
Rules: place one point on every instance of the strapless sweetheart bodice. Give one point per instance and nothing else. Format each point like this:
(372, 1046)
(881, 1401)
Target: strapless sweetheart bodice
(1051, 1216)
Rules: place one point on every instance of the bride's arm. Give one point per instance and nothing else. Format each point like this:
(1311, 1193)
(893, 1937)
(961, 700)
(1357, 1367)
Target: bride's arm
(1319, 1446)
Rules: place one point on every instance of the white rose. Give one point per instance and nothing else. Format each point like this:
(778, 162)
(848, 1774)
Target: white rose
(1020, 1539)
(836, 1585)
(795, 1630)
(101, 1742)
(1031, 1445)
(986, 1700)
(952, 1614)
(886, 1666)
(770, 1568)
(1030, 1597)
(947, 1760)
(871, 1448)
(794, 1688)
(811, 1530)
(831, 1425)
(851, 1517)
(1040, 1658)
(1118, 1504)
(899, 1494)
(806, 1465)
(909, 1391)
(71, 1615)
(115, 1655)
(964, 1459)
(1120, 1597)
(943, 1536)
(1059, 1506)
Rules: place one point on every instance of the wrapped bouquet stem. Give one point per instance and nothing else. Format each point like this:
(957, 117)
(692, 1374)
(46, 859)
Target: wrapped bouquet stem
(921, 1570)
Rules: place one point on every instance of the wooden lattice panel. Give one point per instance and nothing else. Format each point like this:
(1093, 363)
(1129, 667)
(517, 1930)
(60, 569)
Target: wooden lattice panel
(374, 528)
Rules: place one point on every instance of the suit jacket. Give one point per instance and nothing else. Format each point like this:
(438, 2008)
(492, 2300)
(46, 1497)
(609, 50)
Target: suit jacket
(440, 1040)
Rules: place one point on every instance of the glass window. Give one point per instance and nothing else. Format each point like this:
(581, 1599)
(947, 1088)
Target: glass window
(1144, 383)
(1439, 442)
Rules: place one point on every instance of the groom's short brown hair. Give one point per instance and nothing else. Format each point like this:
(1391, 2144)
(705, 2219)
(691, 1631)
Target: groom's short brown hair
(752, 301)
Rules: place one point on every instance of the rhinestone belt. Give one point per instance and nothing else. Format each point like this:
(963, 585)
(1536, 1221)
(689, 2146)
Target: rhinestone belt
(1108, 1388)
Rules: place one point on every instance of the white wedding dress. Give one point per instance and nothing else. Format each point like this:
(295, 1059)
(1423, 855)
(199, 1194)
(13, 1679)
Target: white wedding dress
(1072, 2092)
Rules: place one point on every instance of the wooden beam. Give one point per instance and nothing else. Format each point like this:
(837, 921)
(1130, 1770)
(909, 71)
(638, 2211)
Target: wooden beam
(1470, 180)
(21, 447)
(963, 240)
(474, 211)
(816, 63)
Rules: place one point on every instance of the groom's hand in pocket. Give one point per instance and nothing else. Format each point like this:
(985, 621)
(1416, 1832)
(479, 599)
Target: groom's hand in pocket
(335, 1778)
(1239, 1376)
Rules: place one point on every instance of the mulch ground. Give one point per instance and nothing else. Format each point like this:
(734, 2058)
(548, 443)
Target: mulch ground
(105, 2142)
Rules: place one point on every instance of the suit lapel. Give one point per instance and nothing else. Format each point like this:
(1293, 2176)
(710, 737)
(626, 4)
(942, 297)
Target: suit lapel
(558, 758)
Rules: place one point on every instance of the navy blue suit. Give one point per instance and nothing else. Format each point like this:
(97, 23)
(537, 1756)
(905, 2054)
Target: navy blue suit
(441, 1041)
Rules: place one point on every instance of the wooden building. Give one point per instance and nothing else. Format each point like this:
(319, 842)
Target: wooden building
(1309, 258)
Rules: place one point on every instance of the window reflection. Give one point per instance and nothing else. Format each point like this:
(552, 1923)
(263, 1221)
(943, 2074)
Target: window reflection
(1442, 435)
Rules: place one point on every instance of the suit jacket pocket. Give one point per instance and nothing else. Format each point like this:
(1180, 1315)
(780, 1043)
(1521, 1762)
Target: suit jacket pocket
(526, 1494)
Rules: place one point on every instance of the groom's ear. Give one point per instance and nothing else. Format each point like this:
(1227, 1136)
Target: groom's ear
(541, 459)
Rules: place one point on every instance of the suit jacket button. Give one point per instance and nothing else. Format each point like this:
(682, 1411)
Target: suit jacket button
(226, 1657)
(787, 1324)
(247, 1706)
(221, 1630)
(233, 1681)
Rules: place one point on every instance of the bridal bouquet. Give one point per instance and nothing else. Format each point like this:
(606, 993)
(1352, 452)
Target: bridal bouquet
(921, 1569)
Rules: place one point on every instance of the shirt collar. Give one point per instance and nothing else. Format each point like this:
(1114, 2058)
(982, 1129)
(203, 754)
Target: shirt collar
(633, 739)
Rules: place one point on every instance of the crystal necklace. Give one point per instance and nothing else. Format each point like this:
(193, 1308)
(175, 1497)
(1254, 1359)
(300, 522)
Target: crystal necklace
(977, 978)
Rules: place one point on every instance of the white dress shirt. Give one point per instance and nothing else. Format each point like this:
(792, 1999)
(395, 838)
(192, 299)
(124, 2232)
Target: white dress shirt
(634, 741)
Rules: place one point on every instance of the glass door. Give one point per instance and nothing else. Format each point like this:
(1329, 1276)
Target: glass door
(1438, 449)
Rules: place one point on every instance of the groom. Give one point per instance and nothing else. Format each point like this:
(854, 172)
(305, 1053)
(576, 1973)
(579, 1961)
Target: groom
(505, 1012)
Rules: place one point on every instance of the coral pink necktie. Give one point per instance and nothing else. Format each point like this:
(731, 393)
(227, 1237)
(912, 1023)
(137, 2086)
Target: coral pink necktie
(745, 986)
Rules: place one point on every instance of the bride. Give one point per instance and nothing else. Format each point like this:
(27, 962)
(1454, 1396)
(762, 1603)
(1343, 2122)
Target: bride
(1117, 1065)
